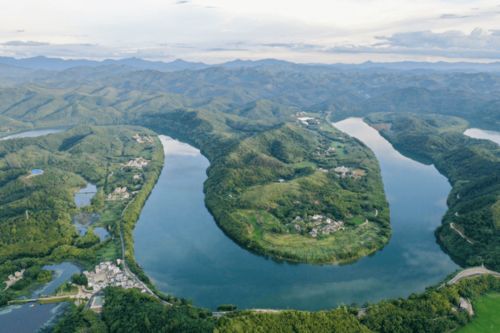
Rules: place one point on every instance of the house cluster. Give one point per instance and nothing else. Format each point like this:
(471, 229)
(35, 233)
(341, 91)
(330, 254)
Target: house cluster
(344, 172)
(13, 278)
(120, 193)
(318, 224)
(108, 274)
(308, 121)
(142, 138)
(138, 163)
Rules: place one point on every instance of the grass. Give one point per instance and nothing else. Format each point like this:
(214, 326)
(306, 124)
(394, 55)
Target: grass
(487, 316)
(342, 247)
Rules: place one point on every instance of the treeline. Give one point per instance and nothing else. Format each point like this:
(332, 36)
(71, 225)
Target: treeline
(472, 167)
(131, 311)
(436, 310)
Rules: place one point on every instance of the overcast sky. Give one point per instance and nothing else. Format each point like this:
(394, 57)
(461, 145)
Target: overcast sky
(218, 30)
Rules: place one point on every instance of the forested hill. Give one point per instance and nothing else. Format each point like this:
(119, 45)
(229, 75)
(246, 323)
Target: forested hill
(107, 93)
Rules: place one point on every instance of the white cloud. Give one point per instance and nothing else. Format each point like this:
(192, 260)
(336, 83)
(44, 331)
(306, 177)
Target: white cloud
(216, 30)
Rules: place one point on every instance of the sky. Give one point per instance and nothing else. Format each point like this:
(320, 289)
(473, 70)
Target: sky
(212, 31)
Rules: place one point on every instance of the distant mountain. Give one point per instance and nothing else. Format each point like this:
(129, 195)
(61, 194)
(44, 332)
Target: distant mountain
(433, 66)
(57, 64)
(176, 65)
(238, 63)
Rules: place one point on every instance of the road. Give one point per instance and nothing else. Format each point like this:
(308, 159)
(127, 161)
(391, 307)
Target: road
(473, 271)
(452, 226)
(132, 275)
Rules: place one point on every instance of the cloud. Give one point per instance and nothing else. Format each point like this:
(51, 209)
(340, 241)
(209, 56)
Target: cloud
(478, 39)
(182, 2)
(24, 43)
(453, 16)
(478, 43)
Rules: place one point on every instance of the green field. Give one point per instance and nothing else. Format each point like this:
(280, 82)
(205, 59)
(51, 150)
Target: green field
(487, 315)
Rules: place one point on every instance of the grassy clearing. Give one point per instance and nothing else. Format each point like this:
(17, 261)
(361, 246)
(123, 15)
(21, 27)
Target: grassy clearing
(487, 316)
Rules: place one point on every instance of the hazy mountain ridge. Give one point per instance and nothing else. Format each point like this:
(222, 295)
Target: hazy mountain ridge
(251, 92)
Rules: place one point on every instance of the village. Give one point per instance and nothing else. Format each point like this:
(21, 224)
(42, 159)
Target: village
(13, 278)
(319, 225)
(108, 274)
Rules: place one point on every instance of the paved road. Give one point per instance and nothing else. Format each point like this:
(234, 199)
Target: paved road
(133, 276)
(473, 271)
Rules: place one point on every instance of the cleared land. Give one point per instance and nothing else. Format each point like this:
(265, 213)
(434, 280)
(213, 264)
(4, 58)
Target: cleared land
(487, 315)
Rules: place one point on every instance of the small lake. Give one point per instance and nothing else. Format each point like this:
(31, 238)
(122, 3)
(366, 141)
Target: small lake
(28, 319)
(184, 252)
(33, 134)
(83, 197)
(36, 172)
(477, 133)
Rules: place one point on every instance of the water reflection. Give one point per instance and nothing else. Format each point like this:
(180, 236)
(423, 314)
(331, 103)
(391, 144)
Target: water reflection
(33, 134)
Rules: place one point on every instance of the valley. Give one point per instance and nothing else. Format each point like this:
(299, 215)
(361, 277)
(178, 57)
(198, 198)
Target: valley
(273, 207)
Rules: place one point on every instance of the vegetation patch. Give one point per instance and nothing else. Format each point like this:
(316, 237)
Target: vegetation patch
(486, 318)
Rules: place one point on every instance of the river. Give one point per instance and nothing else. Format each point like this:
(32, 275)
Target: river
(478, 133)
(184, 252)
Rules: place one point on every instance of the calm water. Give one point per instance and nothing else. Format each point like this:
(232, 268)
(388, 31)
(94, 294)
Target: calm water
(84, 196)
(186, 254)
(33, 134)
(24, 318)
(477, 133)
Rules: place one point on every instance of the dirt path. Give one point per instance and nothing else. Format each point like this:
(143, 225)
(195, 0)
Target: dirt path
(452, 226)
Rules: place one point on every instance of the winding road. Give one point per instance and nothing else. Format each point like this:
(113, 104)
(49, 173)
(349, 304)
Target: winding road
(472, 271)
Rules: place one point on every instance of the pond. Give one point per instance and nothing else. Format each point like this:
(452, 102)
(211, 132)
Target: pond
(180, 247)
(36, 172)
(33, 133)
(83, 197)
